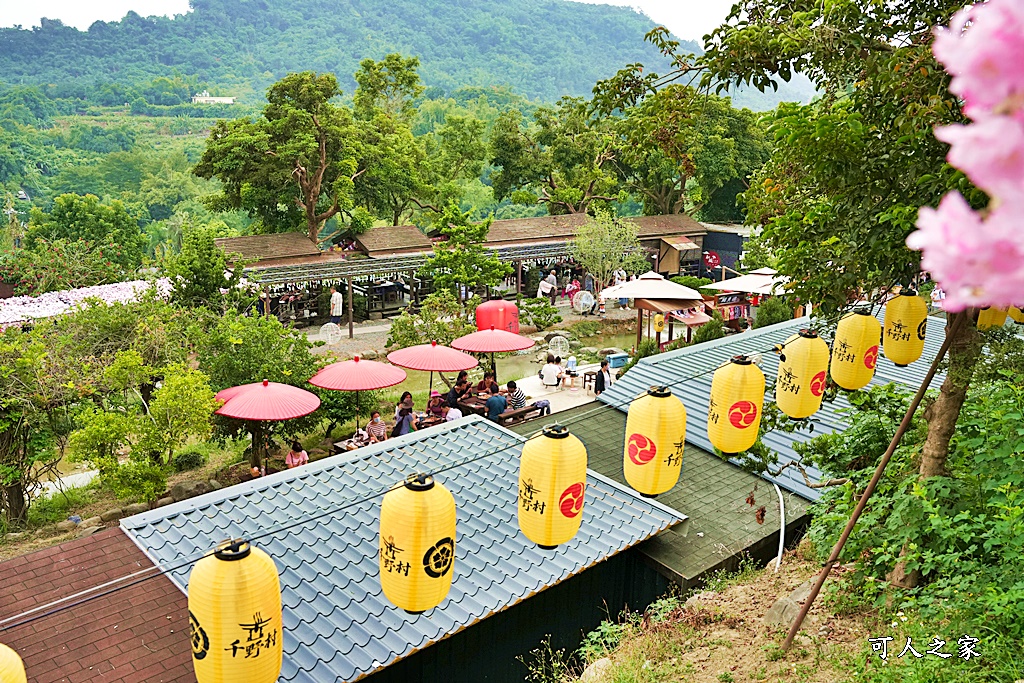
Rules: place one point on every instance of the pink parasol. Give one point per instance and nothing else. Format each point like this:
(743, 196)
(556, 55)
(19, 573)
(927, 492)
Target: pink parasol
(492, 341)
(265, 402)
(358, 375)
(432, 357)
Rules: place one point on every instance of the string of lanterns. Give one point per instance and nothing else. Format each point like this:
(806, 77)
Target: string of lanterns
(234, 596)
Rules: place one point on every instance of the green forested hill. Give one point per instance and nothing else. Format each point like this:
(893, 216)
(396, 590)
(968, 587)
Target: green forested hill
(541, 48)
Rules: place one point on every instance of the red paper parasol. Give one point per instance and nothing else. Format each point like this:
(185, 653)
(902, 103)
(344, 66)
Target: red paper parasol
(358, 375)
(267, 401)
(492, 341)
(432, 357)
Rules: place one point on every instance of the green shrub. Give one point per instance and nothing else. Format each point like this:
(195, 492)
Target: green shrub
(539, 313)
(710, 330)
(57, 506)
(136, 480)
(188, 460)
(584, 328)
(691, 281)
(771, 311)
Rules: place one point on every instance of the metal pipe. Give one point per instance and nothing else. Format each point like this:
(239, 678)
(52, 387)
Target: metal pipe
(951, 332)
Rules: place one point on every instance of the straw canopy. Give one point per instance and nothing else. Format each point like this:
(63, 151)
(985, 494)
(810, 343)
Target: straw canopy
(358, 375)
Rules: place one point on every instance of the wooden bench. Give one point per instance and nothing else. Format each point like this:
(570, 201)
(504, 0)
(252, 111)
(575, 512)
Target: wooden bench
(513, 417)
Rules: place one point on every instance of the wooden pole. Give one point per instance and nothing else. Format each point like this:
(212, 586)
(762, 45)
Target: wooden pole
(351, 325)
(639, 325)
(951, 332)
(669, 330)
(519, 277)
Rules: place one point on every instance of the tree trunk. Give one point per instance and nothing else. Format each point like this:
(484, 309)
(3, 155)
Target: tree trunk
(17, 504)
(941, 417)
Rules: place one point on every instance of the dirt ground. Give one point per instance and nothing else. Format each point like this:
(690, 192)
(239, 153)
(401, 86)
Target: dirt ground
(724, 639)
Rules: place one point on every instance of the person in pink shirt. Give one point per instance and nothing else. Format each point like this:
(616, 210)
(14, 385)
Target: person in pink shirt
(296, 456)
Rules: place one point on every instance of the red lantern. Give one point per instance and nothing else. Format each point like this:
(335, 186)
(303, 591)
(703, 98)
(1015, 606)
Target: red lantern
(499, 314)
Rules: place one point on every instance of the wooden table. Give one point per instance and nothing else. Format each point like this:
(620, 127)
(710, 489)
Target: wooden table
(474, 405)
(430, 421)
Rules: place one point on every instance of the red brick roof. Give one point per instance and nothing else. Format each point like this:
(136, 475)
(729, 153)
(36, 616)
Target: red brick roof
(134, 635)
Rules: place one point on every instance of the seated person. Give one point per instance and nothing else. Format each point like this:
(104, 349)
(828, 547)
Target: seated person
(516, 397)
(496, 405)
(435, 404)
(452, 414)
(404, 402)
(296, 456)
(459, 392)
(377, 430)
(487, 385)
(551, 373)
(406, 423)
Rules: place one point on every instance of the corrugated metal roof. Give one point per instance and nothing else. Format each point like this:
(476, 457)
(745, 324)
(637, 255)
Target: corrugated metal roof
(691, 369)
(338, 624)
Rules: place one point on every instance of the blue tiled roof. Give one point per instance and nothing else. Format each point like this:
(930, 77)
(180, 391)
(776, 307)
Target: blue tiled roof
(338, 624)
(691, 369)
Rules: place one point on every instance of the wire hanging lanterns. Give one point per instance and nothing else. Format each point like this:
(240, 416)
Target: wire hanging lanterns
(906, 322)
(991, 317)
(234, 613)
(655, 437)
(734, 412)
(803, 375)
(552, 485)
(855, 350)
(417, 543)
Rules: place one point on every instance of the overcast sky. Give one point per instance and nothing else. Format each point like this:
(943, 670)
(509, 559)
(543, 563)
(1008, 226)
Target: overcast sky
(686, 18)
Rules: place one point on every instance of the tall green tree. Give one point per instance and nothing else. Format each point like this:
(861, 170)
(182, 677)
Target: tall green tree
(678, 147)
(387, 86)
(605, 244)
(460, 260)
(563, 160)
(75, 217)
(842, 190)
(200, 271)
(295, 165)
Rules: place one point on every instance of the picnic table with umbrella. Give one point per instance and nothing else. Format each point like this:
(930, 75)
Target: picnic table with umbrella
(358, 375)
(432, 357)
(492, 341)
(265, 402)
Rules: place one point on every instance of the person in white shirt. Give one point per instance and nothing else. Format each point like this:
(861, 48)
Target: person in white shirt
(452, 414)
(337, 305)
(551, 373)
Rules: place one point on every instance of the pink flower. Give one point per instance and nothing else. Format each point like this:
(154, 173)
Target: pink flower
(984, 51)
(977, 262)
(990, 152)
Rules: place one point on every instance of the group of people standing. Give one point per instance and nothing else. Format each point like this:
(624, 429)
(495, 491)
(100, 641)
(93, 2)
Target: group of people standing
(550, 287)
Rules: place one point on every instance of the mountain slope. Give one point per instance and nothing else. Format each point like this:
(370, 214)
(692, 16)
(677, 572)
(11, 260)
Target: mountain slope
(542, 48)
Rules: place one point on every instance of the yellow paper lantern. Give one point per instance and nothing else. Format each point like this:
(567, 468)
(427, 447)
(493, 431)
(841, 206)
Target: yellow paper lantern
(12, 670)
(417, 543)
(855, 350)
(234, 612)
(655, 437)
(659, 323)
(906, 321)
(1016, 314)
(552, 484)
(734, 412)
(991, 317)
(803, 375)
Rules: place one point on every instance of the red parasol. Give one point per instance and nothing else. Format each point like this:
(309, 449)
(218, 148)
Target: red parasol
(432, 357)
(492, 341)
(265, 402)
(358, 375)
